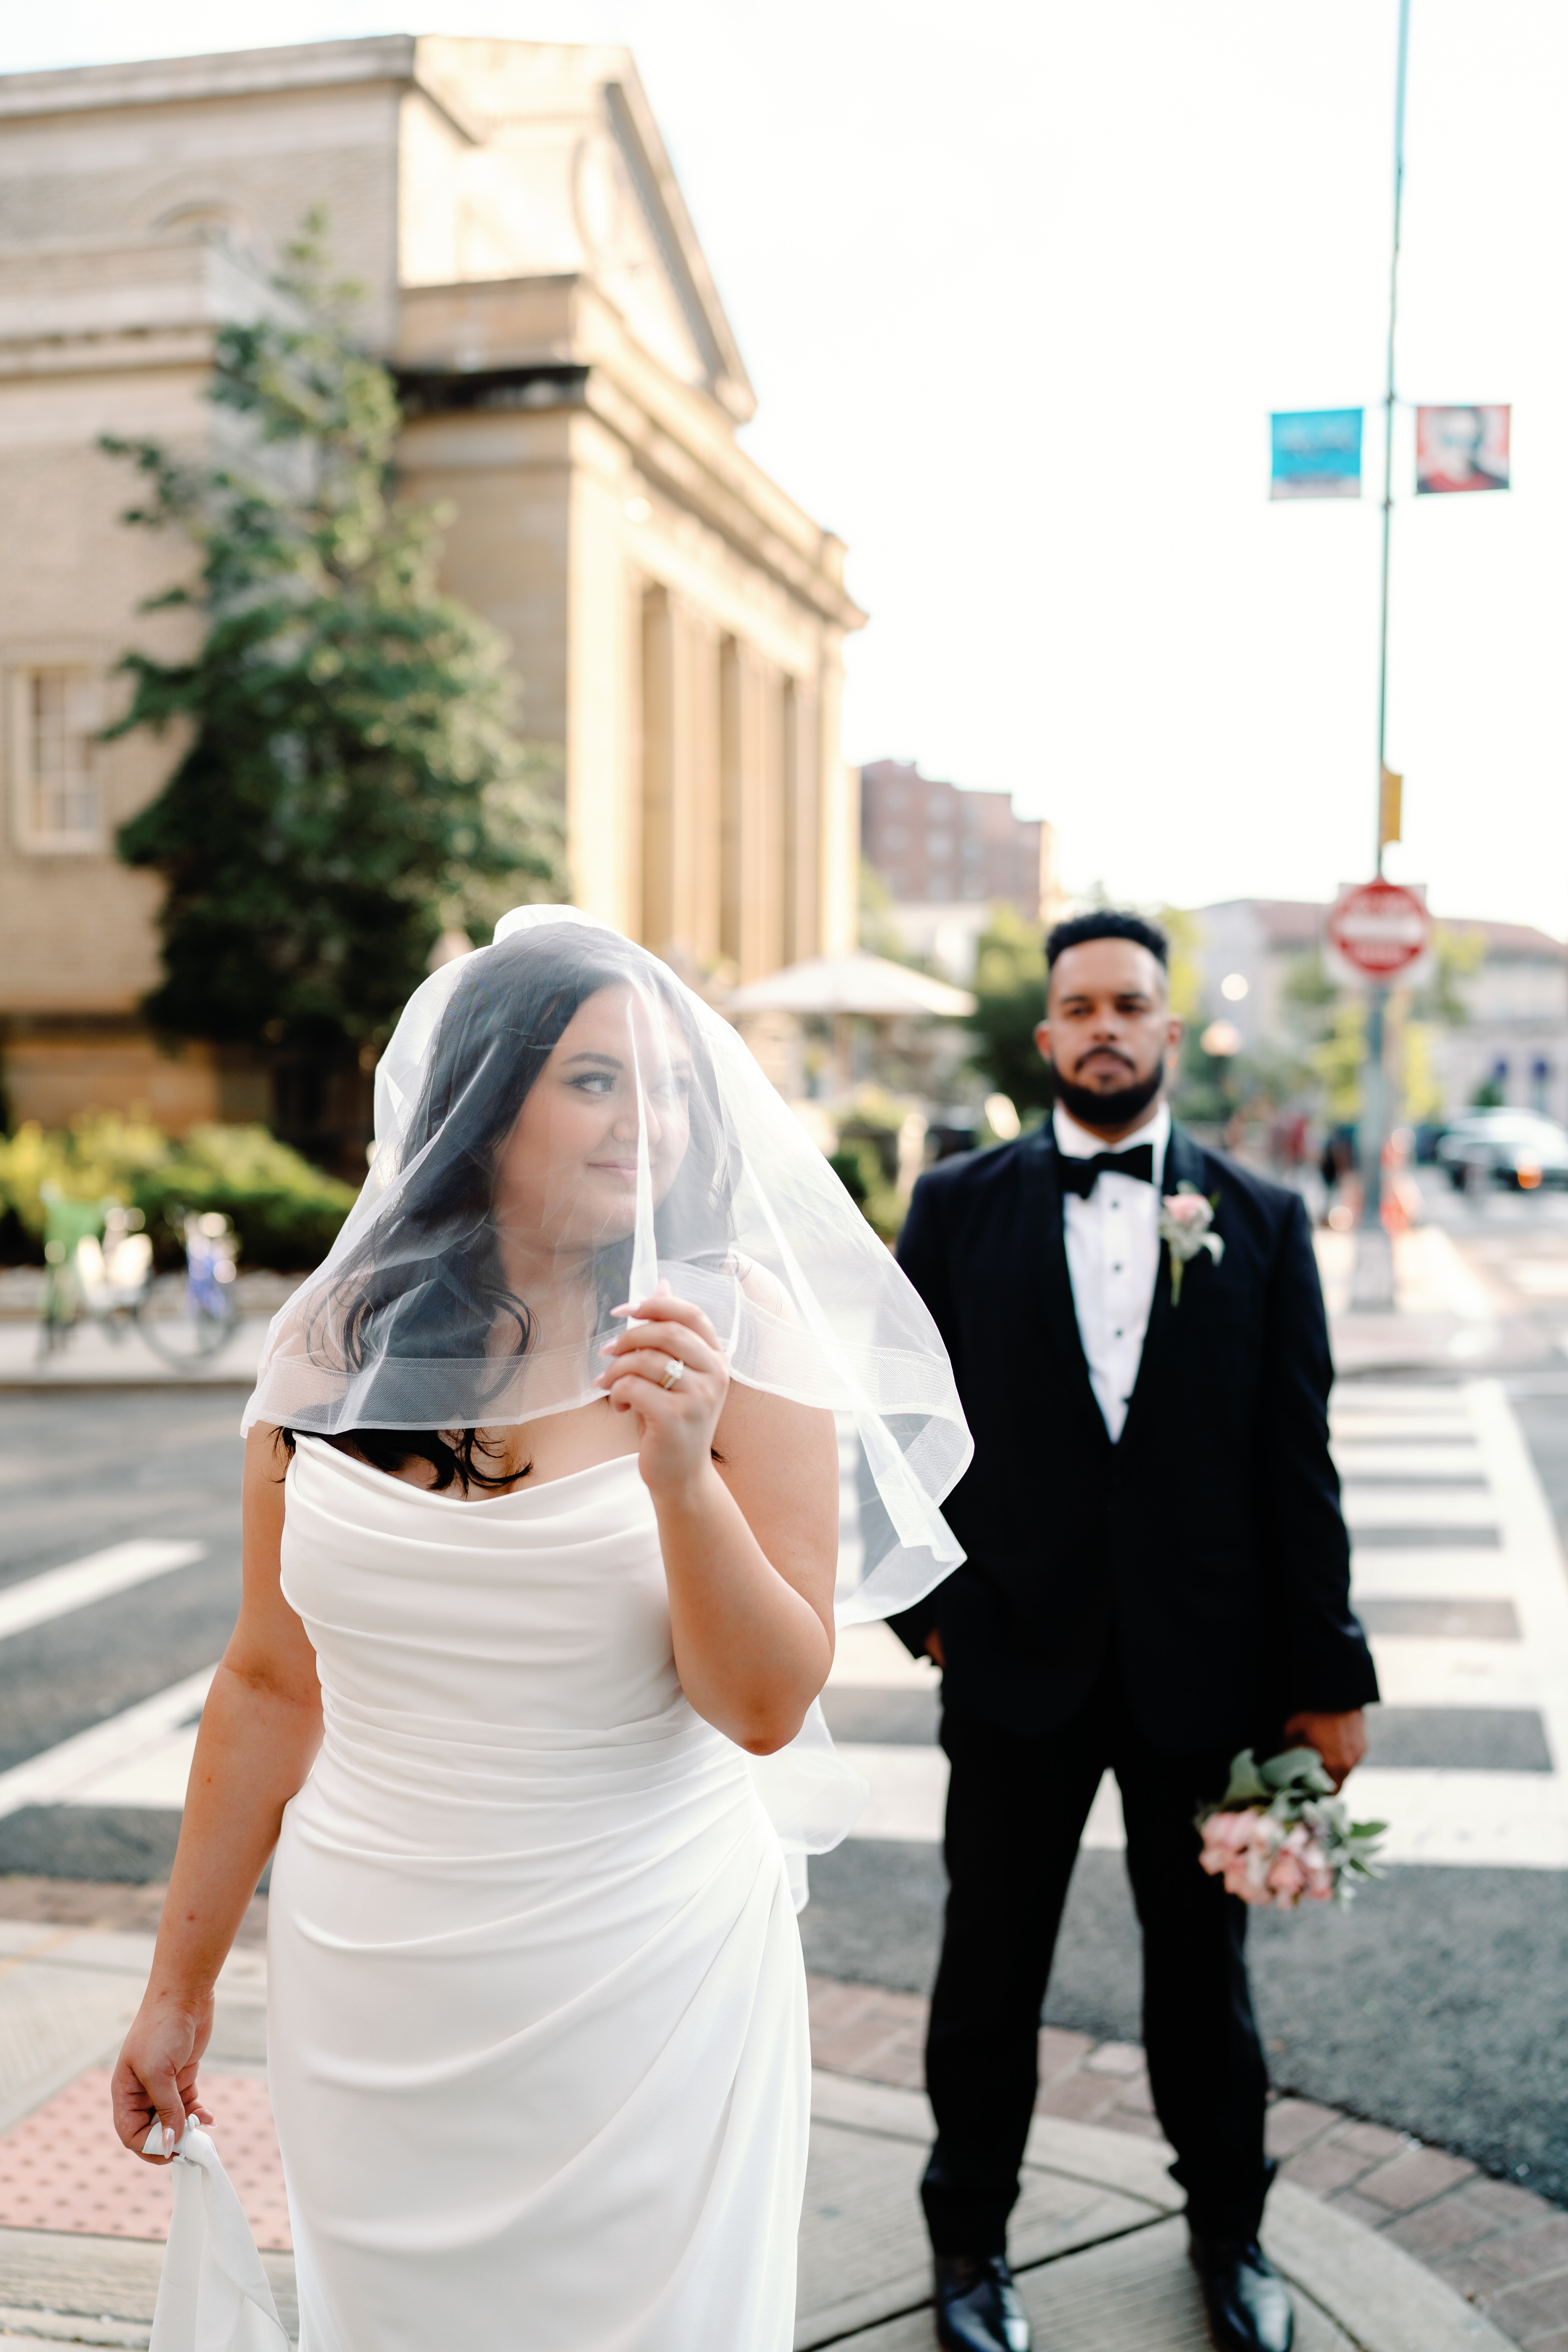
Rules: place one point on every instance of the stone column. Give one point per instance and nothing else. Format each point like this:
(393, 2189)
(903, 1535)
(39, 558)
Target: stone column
(751, 805)
(680, 854)
(603, 786)
(839, 842)
(801, 836)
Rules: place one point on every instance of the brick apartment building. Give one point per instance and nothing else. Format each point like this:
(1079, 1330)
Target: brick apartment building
(947, 857)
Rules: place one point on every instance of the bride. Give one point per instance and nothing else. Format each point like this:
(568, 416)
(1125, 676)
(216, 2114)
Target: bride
(538, 1597)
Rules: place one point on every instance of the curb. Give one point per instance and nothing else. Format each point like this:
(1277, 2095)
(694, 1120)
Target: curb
(1381, 2297)
(1379, 2294)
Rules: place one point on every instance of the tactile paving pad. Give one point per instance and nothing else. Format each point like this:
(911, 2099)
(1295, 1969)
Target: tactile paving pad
(63, 2168)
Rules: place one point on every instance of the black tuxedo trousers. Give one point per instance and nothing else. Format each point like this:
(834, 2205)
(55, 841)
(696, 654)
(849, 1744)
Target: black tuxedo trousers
(1016, 1808)
(1151, 1605)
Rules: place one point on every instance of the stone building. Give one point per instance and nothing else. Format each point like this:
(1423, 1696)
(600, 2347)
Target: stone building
(947, 857)
(573, 389)
(1514, 1035)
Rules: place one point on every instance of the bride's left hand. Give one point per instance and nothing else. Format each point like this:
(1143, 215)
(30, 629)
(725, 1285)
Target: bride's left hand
(675, 1421)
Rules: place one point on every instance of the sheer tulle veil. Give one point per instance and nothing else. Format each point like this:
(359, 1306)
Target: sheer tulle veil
(450, 1301)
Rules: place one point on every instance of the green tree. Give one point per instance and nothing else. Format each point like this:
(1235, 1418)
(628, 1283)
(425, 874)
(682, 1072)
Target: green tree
(1010, 990)
(351, 786)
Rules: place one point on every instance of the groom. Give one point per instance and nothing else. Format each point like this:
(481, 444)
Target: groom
(1157, 1576)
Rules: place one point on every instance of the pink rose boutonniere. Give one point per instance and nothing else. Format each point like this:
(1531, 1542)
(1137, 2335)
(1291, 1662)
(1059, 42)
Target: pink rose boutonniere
(1185, 1219)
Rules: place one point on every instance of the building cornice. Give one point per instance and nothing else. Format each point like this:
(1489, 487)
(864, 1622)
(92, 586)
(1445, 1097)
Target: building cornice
(390, 59)
(506, 331)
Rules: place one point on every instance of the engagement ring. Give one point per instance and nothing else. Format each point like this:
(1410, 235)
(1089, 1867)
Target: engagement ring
(677, 1371)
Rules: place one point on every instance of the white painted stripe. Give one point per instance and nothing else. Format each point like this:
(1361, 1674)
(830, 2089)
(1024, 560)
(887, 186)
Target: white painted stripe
(872, 1657)
(80, 1581)
(1441, 1575)
(1500, 1821)
(60, 1775)
(1456, 1457)
(1419, 1506)
(909, 1791)
(1415, 1670)
(1488, 1820)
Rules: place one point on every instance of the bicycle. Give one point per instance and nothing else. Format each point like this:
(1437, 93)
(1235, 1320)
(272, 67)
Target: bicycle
(100, 1270)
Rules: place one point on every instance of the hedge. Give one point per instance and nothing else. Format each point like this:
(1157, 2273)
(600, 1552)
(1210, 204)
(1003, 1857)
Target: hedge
(285, 1211)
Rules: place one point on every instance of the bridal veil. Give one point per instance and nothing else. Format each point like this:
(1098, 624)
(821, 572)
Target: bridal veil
(420, 1318)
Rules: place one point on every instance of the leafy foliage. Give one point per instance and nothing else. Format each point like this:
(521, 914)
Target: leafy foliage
(1010, 986)
(352, 786)
(285, 1211)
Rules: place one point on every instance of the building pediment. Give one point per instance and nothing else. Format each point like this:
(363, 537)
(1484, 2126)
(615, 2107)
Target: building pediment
(566, 175)
(511, 160)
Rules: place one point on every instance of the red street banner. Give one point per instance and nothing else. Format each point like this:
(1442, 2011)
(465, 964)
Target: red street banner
(1379, 928)
(1461, 449)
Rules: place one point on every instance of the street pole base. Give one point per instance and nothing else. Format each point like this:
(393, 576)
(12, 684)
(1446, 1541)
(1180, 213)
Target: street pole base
(1372, 1278)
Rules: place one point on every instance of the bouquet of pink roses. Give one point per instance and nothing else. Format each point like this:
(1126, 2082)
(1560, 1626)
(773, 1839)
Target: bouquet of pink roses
(1280, 1832)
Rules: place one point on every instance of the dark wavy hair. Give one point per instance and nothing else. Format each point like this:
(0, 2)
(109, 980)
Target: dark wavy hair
(426, 1281)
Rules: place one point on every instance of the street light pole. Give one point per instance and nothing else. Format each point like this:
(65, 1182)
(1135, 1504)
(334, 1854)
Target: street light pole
(1372, 1280)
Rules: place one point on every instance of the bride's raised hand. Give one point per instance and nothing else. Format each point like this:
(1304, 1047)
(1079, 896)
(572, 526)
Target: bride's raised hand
(671, 1373)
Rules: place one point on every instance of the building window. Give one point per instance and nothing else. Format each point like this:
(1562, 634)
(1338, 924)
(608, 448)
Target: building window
(55, 723)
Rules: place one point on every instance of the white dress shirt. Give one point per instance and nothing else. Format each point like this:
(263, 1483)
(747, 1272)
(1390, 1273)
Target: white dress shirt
(1113, 1255)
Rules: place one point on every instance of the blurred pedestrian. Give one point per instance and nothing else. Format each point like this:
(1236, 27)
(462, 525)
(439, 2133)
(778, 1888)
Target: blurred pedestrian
(1158, 1575)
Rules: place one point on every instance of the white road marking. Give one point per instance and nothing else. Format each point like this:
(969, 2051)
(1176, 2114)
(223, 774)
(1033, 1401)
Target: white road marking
(1448, 1458)
(1457, 1819)
(58, 1590)
(1516, 1820)
(1418, 1507)
(76, 1771)
(1414, 1670)
(872, 1657)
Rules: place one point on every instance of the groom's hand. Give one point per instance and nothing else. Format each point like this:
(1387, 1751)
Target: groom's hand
(934, 1647)
(1340, 1740)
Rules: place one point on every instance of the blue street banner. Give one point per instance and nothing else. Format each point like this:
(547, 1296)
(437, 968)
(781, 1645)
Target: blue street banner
(1461, 449)
(1316, 453)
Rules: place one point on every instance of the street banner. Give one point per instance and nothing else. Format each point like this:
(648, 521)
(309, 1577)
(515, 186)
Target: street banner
(1461, 449)
(1316, 453)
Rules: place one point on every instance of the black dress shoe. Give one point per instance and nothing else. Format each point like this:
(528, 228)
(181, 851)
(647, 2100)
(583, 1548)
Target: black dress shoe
(1248, 2308)
(977, 2306)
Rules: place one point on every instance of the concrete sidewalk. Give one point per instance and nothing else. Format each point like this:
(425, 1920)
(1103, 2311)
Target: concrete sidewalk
(1100, 2249)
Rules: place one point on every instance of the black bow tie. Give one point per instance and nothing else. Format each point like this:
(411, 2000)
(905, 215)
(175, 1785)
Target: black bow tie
(1077, 1175)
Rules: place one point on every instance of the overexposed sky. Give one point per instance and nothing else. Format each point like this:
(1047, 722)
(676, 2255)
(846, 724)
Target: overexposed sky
(1019, 285)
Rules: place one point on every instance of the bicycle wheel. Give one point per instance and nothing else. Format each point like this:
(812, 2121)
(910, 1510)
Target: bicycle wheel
(180, 1327)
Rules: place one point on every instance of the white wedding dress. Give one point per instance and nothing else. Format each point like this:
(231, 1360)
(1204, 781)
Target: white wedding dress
(537, 2013)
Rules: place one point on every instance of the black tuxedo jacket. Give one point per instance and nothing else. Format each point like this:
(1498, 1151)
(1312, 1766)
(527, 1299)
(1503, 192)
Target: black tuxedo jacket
(1205, 1550)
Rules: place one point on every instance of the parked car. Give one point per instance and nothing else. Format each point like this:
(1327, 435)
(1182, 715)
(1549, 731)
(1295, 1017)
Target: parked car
(1517, 1148)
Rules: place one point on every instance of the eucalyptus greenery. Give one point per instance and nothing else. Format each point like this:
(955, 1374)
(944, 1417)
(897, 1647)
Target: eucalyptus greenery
(1294, 1788)
(351, 786)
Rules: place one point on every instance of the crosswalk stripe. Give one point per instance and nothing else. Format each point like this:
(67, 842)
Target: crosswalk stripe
(58, 1590)
(1467, 1819)
(63, 1775)
(1489, 1548)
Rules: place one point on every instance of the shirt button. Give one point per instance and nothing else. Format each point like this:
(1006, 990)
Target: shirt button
(1118, 1335)
(1116, 1269)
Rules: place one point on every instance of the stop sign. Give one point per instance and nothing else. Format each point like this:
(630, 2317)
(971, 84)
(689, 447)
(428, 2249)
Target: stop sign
(1380, 928)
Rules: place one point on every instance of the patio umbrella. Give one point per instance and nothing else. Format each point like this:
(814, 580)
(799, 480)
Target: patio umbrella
(859, 983)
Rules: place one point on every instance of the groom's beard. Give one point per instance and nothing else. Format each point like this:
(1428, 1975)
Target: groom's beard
(1118, 1109)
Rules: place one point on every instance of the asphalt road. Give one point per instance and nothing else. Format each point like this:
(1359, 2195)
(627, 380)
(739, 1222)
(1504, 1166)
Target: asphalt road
(79, 1473)
(1435, 2006)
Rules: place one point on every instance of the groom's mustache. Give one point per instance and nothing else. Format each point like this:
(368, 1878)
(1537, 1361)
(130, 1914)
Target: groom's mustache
(1104, 1054)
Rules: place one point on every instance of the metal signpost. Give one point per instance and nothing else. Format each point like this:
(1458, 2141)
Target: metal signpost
(1380, 930)
(1372, 1282)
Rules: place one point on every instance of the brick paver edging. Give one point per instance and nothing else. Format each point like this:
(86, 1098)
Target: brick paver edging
(1504, 2249)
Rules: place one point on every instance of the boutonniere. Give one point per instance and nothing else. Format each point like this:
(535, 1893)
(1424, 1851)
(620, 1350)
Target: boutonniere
(1185, 1218)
